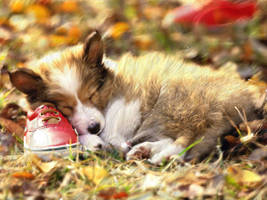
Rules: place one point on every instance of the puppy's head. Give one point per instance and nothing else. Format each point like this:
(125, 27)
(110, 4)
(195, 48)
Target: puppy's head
(74, 80)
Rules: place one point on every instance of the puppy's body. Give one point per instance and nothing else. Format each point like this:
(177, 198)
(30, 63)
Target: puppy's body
(156, 103)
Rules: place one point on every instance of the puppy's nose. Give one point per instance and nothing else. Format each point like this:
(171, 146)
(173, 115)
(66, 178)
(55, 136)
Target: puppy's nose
(94, 128)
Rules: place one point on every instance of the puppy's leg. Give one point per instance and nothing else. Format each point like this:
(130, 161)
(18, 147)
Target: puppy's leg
(156, 151)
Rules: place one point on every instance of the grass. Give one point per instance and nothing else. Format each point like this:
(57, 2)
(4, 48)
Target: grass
(107, 176)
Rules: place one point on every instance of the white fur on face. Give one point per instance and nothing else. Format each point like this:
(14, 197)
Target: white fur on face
(92, 142)
(68, 80)
(83, 116)
(122, 119)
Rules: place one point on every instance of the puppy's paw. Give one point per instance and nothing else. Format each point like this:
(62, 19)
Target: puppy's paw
(155, 152)
(140, 151)
(166, 154)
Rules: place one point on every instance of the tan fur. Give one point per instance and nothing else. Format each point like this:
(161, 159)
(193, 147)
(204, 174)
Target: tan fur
(183, 101)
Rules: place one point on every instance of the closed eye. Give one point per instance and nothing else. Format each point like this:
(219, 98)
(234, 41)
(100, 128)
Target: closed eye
(68, 107)
(66, 110)
(95, 90)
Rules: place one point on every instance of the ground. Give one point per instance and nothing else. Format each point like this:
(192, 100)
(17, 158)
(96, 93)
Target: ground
(28, 29)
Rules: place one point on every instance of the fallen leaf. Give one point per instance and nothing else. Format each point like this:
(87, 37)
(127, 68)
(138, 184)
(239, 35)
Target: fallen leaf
(111, 193)
(95, 173)
(12, 127)
(69, 6)
(151, 181)
(118, 29)
(143, 42)
(248, 51)
(244, 177)
(41, 13)
(58, 40)
(153, 12)
(16, 6)
(45, 167)
(120, 195)
(4, 76)
(23, 175)
(195, 191)
(233, 141)
(74, 34)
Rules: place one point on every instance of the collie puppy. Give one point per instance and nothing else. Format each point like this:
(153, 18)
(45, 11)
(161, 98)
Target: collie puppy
(153, 106)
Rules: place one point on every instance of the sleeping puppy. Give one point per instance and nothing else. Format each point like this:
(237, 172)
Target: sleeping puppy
(152, 106)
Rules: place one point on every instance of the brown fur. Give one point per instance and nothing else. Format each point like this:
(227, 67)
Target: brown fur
(178, 99)
(183, 101)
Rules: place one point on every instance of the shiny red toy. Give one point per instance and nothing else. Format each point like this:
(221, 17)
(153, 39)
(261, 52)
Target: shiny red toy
(48, 133)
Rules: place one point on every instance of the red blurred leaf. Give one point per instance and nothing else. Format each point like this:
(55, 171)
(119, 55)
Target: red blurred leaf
(215, 13)
(112, 193)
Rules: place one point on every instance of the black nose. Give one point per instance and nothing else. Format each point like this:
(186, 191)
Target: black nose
(94, 128)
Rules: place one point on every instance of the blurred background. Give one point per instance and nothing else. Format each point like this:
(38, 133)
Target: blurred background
(217, 33)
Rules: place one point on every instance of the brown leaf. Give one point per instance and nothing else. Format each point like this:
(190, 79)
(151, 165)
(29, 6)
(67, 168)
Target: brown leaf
(12, 127)
(143, 42)
(233, 141)
(112, 193)
(12, 111)
(4, 77)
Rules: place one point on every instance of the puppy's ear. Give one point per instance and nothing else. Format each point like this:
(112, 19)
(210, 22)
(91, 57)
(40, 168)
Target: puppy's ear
(93, 49)
(26, 81)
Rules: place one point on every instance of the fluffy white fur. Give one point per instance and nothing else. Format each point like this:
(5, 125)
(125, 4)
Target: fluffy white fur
(121, 121)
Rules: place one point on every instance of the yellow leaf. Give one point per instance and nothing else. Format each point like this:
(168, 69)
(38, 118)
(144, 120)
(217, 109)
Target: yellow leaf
(244, 177)
(69, 6)
(118, 29)
(95, 173)
(43, 166)
(143, 42)
(16, 6)
(74, 34)
(58, 40)
(250, 177)
(41, 13)
(3, 55)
